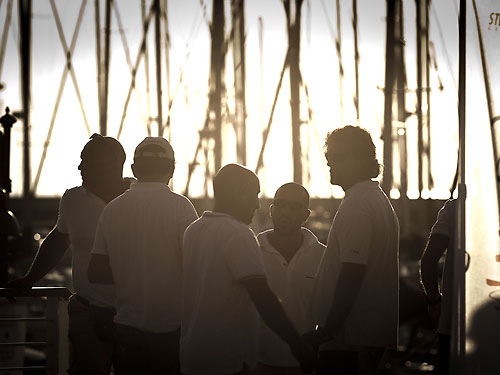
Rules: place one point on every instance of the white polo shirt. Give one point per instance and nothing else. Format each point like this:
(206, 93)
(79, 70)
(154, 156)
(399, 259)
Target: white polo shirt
(220, 324)
(365, 231)
(141, 231)
(79, 212)
(445, 225)
(292, 283)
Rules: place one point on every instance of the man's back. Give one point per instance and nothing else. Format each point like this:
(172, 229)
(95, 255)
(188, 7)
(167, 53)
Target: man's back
(219, 320)
(141, 231)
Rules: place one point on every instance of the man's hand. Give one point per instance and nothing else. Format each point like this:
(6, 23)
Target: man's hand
(306, 355)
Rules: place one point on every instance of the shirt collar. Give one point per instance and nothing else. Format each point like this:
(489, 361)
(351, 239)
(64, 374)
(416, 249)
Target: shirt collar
(142, 186)
(309, 240)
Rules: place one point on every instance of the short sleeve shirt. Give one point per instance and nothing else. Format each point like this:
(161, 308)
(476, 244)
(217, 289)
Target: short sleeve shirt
(79, 212)
(365, 231)
(292, 282)
(141, 232)
(219, 321)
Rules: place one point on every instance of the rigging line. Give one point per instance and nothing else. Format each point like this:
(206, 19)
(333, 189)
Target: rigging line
(69, 53)
(265, 134)
(338, 46)
(128, 58)
(433, 60)
(328, 21)
(315, 128)
(205, 16)
(441, 36)
(5, 33)
(67, 69)
(142, 49)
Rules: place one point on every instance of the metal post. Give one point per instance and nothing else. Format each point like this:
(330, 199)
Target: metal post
(238, 21)
(293, 18)
(100, 79)
(217, 59)
(25, 7)
(157, 11)
(167, 64)
(389, 86)
(457, 347)
(356, 55)
(104, 96)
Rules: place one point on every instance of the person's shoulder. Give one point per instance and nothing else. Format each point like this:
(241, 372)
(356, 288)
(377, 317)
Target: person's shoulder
(312, 241)
(73, 193)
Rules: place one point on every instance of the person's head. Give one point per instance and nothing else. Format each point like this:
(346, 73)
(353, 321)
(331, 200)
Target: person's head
(290, 208)
(351, 156)
(236, 192)
(102, 161)
(154, 160)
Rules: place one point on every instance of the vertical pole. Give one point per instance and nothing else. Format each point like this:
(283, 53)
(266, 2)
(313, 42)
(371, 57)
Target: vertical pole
(216, 78)
(167, 62)
(107, 36)
(261, 61)
(238, 21)
(294, 17)
(146, 63)
(388, 97)
(157, 10)
(100, 78)
(401, 96)
(25, 7)
(457, 347)
(428, 96)
(356, 55)
(419, 96)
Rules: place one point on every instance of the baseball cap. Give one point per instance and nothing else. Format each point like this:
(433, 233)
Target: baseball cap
(142, 151)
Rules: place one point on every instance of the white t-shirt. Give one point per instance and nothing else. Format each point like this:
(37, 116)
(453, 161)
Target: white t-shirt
(365, 231)
(141, 231)
(445, 225)
(220, 324)
(292, 283)
(79, 212)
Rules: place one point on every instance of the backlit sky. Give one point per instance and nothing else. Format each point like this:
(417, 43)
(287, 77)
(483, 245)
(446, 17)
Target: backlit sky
(189, 55)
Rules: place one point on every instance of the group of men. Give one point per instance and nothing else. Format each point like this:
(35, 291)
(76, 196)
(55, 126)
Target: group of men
(159, 290)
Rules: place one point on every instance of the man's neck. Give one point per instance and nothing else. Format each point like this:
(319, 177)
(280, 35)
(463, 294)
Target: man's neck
(108, 190)
(288, 244)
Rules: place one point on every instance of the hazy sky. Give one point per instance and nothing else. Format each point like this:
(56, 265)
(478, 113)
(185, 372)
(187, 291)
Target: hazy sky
(189, 56)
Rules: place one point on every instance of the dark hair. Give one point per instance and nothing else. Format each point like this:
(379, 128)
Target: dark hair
(108, 146)
(359, 145)
(297, 187)
(232, 178)
(153, 166)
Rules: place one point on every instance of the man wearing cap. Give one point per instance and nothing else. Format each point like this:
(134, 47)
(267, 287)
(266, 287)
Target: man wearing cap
(90, 309)
(291, 256)
(138, 248)
(225, 285)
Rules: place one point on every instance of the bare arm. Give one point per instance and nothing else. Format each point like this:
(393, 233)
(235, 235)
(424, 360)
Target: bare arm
(429, 277)
(99, 271)
(273, 314)
(49, 254)
(349, 283)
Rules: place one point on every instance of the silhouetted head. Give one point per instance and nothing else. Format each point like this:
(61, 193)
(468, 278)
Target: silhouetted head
(236, 192)
(351, 156)
(154, 160)
(290, 208)
(102, 161)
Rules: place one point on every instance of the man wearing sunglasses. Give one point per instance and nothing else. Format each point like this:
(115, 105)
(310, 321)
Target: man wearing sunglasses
(355, 301)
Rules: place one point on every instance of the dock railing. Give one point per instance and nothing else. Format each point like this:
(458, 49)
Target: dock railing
(56, 320)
